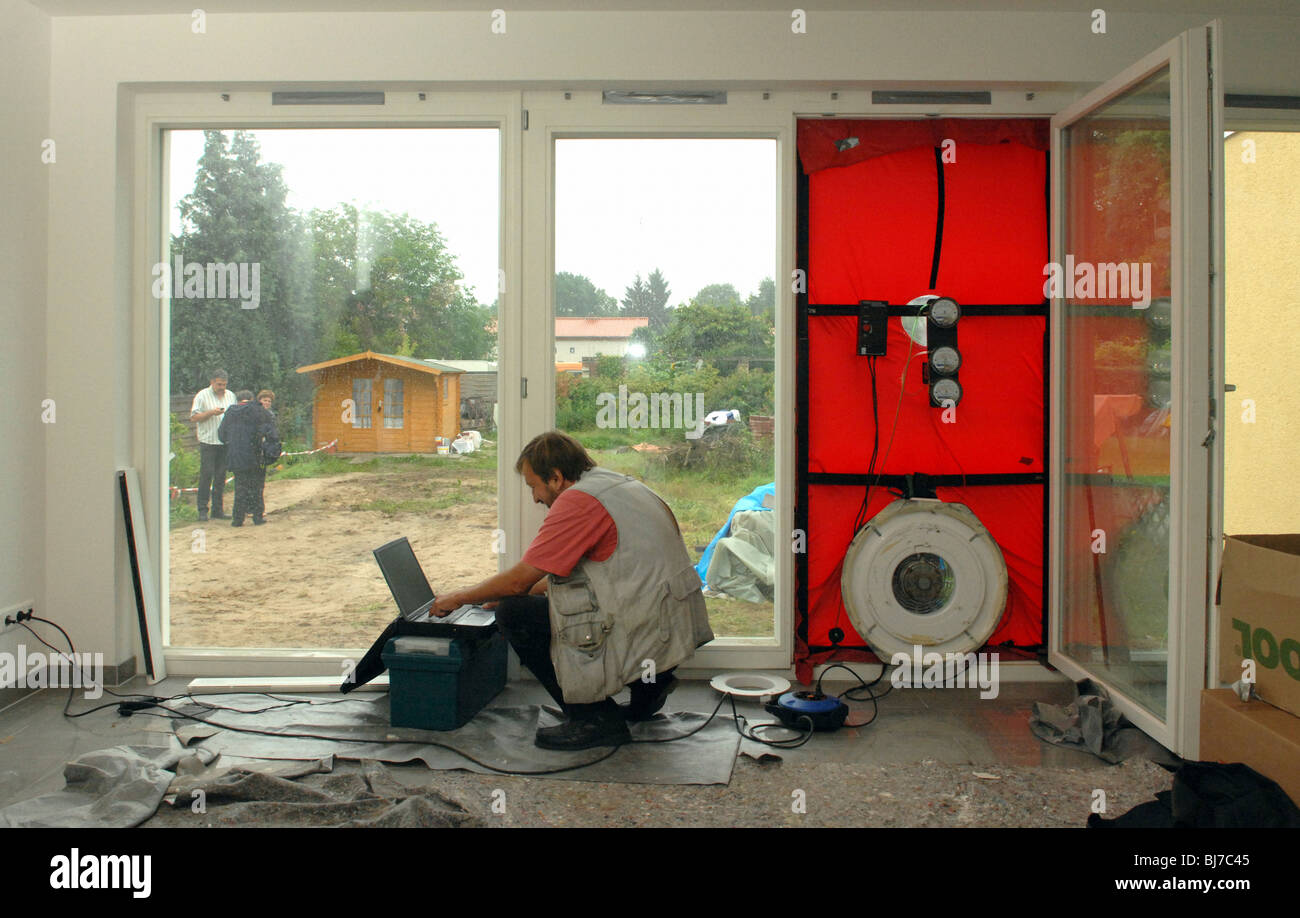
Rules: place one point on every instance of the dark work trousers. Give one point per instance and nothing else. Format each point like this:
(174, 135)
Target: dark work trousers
(249, 484)
(527, 626)
(212, 476)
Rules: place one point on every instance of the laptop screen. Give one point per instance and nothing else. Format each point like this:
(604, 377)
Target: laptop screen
(405, 578)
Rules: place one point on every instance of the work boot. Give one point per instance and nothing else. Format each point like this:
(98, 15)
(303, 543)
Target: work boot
(603, 728)
(644, 704)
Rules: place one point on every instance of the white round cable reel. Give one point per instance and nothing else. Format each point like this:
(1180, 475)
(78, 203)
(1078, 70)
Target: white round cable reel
(924, 572)
(750, 685)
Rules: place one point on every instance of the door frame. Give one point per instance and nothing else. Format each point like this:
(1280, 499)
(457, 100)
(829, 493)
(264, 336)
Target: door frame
(152, 112)
(1196, 219)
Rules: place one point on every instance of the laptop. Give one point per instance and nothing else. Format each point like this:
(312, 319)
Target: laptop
(411, 591)
(414, 597)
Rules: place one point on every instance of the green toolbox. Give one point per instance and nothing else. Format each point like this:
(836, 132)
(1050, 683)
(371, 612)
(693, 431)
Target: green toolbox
(439, 683)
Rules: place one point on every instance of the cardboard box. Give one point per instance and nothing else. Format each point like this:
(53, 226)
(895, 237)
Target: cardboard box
(1257, 734)
(1259, 615)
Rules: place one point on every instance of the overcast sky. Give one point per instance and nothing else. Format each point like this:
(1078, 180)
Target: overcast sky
(702, 211)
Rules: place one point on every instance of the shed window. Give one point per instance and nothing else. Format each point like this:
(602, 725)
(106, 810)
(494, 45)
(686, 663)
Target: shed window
(361, 403)
(393, 415)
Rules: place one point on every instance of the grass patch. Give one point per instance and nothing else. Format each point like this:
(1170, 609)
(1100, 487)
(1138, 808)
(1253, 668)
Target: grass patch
(426, 504)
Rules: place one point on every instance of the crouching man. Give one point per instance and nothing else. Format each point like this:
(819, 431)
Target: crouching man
(619, 595)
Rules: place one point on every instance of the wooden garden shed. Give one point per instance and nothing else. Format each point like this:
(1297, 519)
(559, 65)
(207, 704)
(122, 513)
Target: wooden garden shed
(381, 403)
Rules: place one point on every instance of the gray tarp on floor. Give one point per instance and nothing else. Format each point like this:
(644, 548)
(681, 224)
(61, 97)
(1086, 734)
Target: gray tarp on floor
(501, 737)
(243, 779)
(112, 788)
(370, 798)
(1092, 723)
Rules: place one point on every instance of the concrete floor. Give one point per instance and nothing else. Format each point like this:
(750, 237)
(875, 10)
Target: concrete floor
(949, 727)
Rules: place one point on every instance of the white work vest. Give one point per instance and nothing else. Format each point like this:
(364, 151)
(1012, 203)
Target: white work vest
(642, 603)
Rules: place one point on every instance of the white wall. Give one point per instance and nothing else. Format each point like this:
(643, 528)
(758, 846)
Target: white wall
(25, 115)
(92, 341)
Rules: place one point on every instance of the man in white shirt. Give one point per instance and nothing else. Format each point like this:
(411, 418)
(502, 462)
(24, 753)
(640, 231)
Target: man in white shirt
(209, 405)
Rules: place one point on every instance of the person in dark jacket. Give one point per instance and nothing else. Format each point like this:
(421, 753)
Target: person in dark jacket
(251, 439)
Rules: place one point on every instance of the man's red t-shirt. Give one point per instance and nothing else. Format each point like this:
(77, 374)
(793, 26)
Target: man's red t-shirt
(577, 526)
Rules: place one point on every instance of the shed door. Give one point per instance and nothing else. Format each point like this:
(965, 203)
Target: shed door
(391, 432)
(362, 436)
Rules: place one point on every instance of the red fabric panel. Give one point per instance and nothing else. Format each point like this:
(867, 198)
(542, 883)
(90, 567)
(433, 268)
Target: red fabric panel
(871, 236)
(998, 423)
(817, 138)
(871, 228)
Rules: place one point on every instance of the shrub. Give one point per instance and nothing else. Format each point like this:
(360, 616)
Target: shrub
(720, 454)
(183, 471)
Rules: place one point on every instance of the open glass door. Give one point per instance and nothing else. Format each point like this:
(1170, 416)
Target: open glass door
(1136, 309)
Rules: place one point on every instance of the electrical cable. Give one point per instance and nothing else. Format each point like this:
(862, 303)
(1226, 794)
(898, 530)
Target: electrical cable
(138, 707)
(848, 693)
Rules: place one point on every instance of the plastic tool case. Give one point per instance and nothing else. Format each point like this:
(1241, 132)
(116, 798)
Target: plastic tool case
(441, 683)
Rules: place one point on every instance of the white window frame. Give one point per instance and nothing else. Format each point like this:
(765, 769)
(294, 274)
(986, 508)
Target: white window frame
(1196, 183)
(557, 115)
(151, 114)
(527, 202)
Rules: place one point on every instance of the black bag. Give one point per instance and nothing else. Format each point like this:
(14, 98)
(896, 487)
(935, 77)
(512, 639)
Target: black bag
(1207, 795)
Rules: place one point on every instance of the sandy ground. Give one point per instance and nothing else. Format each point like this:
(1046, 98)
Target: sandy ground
(307, 579)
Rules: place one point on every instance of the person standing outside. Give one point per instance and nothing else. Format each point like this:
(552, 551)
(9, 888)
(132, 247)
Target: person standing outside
(209, 405)
(248, 430)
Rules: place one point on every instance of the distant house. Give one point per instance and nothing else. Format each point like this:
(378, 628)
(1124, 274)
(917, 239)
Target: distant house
(577, 337)
(381, 403)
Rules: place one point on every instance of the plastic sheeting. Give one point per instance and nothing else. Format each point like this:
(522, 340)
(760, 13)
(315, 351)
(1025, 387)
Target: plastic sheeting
(754, 500)
(500, 737)
(743, 565)
(114, 788)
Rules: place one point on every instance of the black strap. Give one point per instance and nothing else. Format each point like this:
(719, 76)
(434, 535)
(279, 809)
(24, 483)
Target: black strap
(919, 484)
(968, 310)
(938, 225)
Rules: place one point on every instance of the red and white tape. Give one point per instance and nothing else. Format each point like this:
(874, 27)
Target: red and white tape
(177, 492)
(308, 452)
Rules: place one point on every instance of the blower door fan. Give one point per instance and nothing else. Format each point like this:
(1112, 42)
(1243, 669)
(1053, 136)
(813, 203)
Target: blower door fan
(924, 572)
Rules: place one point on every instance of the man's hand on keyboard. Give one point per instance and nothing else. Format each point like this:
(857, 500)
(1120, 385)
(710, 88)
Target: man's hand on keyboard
(447, 603)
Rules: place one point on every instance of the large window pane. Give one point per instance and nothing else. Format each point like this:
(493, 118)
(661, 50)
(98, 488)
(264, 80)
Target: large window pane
(353, 273)
(1116, 419)
(665, 308)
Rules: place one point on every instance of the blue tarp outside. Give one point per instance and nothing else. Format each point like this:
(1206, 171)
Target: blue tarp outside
(751, 501)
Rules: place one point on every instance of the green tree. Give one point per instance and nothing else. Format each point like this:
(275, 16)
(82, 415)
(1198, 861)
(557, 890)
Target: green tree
(718, 295)
(576, 295)
(237, 213)
(387, 283)
(763, 303)
(725, 336)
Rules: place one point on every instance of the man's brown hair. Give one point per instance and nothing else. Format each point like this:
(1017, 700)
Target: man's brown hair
(545, 453)
(266, 393)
